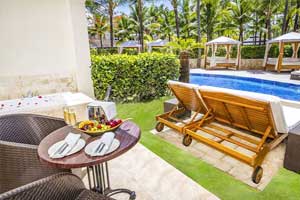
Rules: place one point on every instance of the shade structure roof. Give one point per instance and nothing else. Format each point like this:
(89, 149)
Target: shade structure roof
(130, 43)
(288, 37)
(158, 42)
(223, 40)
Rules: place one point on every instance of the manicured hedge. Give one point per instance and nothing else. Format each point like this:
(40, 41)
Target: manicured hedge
(247, 51)
(255, 52)
(133, 77)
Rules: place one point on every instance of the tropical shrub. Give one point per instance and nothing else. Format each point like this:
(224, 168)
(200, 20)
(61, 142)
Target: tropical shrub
(247, 51)
(133, 77)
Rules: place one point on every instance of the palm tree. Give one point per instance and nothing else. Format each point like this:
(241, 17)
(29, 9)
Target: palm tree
(296, 23)
(166, 23)
(107, 7)
(198, 31)
(175, 9)
(188, 19)
(99, 28)
(211, 11)
(240, 10)
(125, 29)
(284, 22)
(268, 7)
(140, 13)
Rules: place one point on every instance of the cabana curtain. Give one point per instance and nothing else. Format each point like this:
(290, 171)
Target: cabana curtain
(227, 42)
(292, 38)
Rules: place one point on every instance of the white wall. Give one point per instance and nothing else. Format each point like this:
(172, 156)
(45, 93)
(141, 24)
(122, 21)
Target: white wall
(82, 51)
(45, 37)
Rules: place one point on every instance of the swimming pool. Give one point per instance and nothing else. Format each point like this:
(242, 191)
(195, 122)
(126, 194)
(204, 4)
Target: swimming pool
(283, 90)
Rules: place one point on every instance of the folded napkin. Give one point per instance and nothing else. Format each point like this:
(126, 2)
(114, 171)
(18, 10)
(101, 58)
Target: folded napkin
(107, 139)
(71, 140)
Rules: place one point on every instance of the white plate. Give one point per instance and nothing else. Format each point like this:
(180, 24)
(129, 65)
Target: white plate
(80, 144)
(91, 146)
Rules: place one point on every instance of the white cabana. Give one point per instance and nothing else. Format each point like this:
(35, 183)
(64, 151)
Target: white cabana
(129, 44)
(156, 43)
(226, 61)
(280, 63)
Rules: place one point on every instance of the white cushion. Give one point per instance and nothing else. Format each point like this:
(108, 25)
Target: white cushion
(292, 116)
(277, 111)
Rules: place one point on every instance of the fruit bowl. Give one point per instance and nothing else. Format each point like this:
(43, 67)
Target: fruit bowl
(94, 128)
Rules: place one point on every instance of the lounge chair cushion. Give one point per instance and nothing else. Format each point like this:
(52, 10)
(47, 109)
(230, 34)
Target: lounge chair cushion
(292, 116)
(275, 102)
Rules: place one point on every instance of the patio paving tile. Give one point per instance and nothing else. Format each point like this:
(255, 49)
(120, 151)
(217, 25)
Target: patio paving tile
(153, 178)
(232, 166)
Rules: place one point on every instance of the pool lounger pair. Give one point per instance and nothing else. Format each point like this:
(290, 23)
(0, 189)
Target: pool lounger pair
(263, 118)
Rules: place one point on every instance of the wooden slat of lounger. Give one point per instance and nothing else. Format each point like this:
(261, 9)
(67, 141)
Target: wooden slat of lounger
(188, 97)
(242, 157)
(254, 117)
(211, 132)
(235, 103)
(249, 139)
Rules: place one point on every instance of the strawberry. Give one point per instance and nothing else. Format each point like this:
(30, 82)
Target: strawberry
(99, 126)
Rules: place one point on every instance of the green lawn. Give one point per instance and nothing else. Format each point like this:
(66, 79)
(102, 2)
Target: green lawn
(285, 185)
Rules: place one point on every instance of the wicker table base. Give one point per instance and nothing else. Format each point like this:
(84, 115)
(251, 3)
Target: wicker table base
(98, 178)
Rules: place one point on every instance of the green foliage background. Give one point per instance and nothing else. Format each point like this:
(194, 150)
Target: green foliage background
(133, 77)
(247, 51)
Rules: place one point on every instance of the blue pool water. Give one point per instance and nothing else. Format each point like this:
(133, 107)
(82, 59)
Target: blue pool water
(282, 90)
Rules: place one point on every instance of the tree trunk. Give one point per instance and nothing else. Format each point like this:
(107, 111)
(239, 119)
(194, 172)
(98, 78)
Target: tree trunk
(209, 25)
(198, 33)
(175, 7)
(296, 25)
(184, 67)
(268, 27)
(241, 38)
(284, 22)
(268, 23)
(260, 35)
(255, 32)
(101, 40)
(140, 10)
(111, 23)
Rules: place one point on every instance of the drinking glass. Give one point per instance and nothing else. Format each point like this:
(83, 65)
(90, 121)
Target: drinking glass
(66, 115)
(72, 117)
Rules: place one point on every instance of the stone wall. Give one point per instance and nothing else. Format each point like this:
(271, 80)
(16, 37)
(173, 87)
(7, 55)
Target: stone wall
(12, 87)
(246, 64)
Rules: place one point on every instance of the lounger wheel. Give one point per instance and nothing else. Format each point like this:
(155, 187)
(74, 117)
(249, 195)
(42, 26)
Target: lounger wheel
(187, 140)
(257, 174)
(159, 127)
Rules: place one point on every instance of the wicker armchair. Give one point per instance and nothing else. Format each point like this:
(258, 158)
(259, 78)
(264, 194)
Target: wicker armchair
(61, 186)
(20, 135)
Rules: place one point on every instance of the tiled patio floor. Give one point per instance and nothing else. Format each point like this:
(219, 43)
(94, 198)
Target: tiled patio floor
(152, 178)
(237, 169)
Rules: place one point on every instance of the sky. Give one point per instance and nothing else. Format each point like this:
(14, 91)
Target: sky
(125, 8)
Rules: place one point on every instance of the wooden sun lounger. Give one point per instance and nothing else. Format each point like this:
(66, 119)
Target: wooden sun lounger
(189, 100)
(253, 116)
